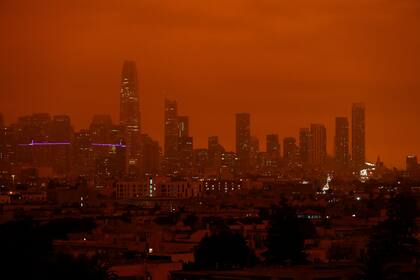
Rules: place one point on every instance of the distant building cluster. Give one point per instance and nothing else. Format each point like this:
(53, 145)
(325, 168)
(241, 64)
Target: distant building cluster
(110, 151)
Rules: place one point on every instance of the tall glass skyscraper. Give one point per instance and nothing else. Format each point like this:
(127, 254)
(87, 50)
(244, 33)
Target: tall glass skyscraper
(172, 133)
(318, 144)
(243, 141)
(341, 147)
(305, 139)
(130, 116)
(273, 144)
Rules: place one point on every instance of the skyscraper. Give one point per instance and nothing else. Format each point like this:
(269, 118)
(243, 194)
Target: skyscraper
(318, 144)
(290, 149)
(171, 133)
(243, 140)
(151, 155)
(130, 116)
(273, 144)
(305, 144)
(36, 127)
(254, 154)
(183, 126)
(83, 153)
(341, 145)
(215, 151)
(185, 155)
(171, 144)
(100, 129)
(60, 130)
(214, 146)
(185, 150)
(358, 135)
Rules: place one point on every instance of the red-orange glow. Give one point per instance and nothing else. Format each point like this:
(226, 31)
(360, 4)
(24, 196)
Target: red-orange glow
(288, 63)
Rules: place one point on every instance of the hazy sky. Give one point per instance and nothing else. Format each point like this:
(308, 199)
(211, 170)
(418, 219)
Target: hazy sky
(288, 63)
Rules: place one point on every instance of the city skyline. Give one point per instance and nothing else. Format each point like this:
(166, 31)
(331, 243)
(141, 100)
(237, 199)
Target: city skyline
(182, 122)
(195, 52)
(179, 155)
(108, 149)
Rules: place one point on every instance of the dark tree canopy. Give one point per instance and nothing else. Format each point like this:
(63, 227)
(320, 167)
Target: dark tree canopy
(223, 250)
(392, 241)
(27, 252)
(286, 236)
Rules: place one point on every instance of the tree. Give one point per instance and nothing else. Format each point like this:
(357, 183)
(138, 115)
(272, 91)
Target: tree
(286, 236)
(27, 252)
(223, 250)
(392, 241)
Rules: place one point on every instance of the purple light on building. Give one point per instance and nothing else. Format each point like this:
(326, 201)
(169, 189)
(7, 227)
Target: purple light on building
(33, 143)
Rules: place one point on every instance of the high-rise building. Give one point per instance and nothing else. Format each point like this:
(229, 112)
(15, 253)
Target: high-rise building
(111, 162)
(185, 150)
(171, 130)
(214, 147)
(358, 135)
(7, 149)
(305, 148)
(185, 155)
(43, 141)
(151, 155)
(33, 128)
(183, 126)
(83, 154)
(229, 162)
(61, 131)
(100, 129)
(130, 116)
(341, 145)
(215, 151)
(254, 154)
(318, 144)
(269, 162)
(290, 149)
(109, 150)
(243, 141)
(201, 161)
(273, 144)
(412, 163)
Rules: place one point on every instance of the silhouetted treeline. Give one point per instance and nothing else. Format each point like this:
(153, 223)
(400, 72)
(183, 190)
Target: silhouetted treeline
(392, 244)
(27, 251)
(286, 236)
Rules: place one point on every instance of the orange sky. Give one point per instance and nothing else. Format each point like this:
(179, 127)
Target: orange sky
(289, 63)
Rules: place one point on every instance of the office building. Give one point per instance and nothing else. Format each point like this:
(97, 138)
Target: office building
(243, 141)
(130, 117)
(290, 149)
(305, 149)
(318, 154)
(341, 143)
